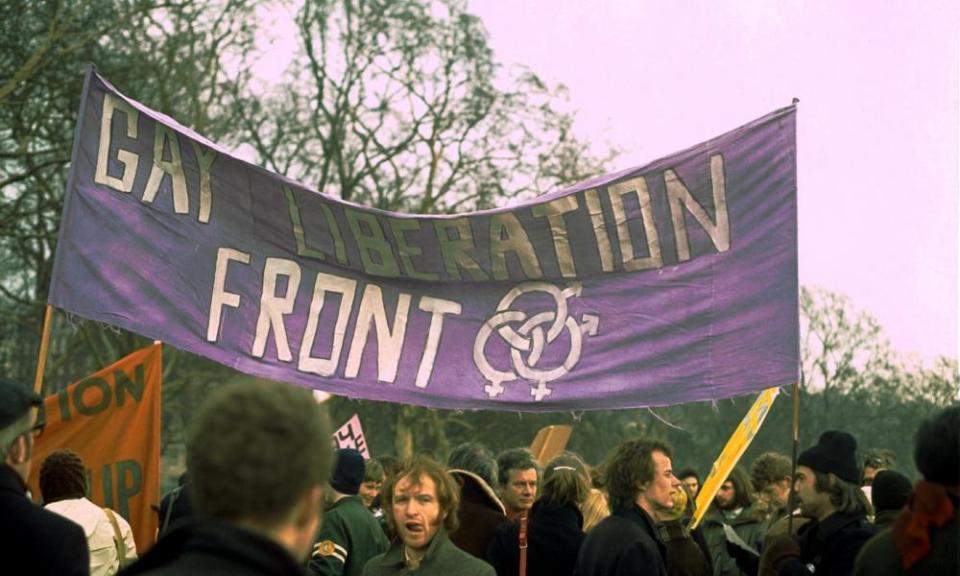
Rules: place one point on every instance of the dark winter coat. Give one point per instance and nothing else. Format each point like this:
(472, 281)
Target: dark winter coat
(480, 513)
(685, 556)
(35, 541)
(215, 549)
(884, 519)
(554, 536)
(830, 546)
(623, 544)
(880, 554)
(175, 508)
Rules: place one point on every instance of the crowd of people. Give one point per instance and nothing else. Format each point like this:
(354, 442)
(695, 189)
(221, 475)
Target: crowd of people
(266, 494)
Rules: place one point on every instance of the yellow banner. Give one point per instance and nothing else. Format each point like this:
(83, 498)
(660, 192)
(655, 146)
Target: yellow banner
(112, 419)
(736, 446)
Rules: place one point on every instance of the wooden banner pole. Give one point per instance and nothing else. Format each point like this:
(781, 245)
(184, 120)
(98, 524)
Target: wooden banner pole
(792, 501)
(44, 346)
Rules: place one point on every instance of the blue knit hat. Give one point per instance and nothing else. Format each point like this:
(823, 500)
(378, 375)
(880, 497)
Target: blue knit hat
(348, 471)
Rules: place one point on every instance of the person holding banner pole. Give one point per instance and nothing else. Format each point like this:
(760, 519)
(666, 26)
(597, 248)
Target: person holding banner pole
(37, 540)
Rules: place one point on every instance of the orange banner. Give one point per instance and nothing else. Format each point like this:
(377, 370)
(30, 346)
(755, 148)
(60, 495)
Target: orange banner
(112, 419)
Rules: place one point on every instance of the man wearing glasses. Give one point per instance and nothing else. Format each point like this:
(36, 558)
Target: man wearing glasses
(36, 540)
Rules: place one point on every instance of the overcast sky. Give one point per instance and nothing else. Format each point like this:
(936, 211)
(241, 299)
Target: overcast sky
(878, 124)
(877, 121)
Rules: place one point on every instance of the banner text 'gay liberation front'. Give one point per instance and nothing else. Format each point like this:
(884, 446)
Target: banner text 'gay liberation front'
(669, 283)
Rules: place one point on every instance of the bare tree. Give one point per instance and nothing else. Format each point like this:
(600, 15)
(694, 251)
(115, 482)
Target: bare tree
(395, 104)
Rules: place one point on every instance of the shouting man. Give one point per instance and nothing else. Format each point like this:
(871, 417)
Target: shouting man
(421, 502)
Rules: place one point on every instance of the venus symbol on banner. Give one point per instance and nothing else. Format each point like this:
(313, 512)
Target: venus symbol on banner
(531, 339)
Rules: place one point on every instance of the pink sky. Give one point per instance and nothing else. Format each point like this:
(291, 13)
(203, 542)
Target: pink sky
(877, 121)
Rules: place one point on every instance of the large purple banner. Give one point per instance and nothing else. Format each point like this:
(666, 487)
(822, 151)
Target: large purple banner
(668, 283)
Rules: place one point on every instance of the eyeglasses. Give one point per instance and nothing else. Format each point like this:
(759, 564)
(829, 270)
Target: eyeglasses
(36, 430)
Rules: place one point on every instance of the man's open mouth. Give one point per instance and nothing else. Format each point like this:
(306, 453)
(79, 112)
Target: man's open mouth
(414, 527)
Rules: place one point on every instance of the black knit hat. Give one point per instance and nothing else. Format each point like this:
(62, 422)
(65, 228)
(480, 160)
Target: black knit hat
(835, 453)
(890, 490)
(348, 471)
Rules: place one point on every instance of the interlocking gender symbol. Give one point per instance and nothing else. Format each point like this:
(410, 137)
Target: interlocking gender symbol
(528, 340)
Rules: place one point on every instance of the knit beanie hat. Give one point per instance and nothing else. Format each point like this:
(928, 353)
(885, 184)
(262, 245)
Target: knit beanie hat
(835, 453)
(348, 471)
(890, 490)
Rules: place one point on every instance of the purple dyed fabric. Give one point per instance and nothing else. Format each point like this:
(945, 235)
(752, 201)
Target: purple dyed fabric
(668, 283)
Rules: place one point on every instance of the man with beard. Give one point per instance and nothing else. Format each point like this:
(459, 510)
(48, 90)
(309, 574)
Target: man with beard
(827, 487)
(641, 484)
(732, 506)
(421, 502)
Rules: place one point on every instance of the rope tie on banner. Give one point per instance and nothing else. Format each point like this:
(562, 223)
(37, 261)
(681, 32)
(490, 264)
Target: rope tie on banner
(660, 418)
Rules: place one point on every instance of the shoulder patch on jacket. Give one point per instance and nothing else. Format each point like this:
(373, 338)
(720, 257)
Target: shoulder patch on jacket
(328, 548)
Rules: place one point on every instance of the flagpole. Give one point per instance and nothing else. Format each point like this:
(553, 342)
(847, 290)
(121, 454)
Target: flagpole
(792, 502)
(44, 345)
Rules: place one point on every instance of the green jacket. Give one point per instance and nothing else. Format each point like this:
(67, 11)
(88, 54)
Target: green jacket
(350, 536)
(880, 555)
(443, 558)
(747, 525)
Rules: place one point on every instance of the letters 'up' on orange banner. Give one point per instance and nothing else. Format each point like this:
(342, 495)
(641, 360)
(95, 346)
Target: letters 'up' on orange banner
(112, 419)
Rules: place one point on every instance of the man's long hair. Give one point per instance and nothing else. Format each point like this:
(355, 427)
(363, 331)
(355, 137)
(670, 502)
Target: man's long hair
(631, 466)
(846, 498)
(742, 488)
(448, 491)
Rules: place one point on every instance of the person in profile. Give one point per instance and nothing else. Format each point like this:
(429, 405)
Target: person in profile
(36, 540)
